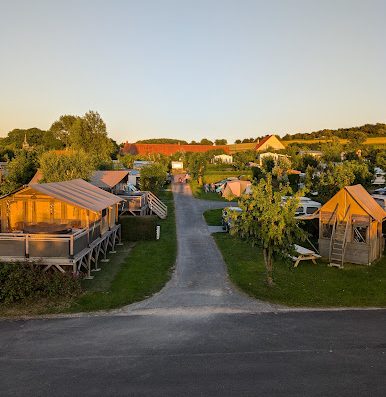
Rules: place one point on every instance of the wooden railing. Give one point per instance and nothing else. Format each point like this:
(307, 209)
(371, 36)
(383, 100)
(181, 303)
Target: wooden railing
(157, 206)
(43, 245)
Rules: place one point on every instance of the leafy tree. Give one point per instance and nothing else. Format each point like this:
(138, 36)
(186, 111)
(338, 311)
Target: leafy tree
(238, 141)
(380, 160)
(206, 141)
(220, 141)
(337, 176)
(36, 138)
(20, 171)
(65, 166)
(241, 159)
(332, 150)
(268, 164)
(153, 177)
(88, 133)
(269, 222)
(62, 127)
(197, 164)
(356, 140)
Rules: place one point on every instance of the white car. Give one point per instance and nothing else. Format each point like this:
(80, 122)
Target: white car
(225, 221)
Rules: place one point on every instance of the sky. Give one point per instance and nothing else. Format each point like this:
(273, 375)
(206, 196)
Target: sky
(193, 69)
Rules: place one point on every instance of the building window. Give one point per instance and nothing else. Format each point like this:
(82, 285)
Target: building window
(360, 234)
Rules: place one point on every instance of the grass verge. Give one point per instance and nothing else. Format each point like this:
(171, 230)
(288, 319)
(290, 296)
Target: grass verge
(213, 217)
(308, 285)
(143, 272)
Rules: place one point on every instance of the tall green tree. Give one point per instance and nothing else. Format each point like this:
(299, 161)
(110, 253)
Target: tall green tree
(269, 222)
(88, 133)
(62, 127)
(65, 166)
(153, 177)
(20, 170)
(205, 141)
(220, 141)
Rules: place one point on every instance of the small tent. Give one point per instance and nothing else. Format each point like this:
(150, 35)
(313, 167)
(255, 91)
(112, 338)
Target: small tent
(236, 188)
(350, 227)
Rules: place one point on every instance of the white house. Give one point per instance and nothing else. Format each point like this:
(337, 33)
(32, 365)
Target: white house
(177, 165)
(223, 158)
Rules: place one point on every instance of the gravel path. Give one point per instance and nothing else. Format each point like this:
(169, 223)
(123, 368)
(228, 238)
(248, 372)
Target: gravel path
(200, 279)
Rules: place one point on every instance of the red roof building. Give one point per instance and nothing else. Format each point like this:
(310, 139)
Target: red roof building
(167, 148)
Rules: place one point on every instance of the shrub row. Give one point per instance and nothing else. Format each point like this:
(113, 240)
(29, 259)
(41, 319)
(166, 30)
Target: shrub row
(138, 228)
(20, 281)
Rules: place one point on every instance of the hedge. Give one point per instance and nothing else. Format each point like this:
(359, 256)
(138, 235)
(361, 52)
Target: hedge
(138, 228)
(20, 281)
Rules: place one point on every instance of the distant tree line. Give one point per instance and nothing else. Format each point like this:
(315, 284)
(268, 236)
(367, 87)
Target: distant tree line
(203, 141)
(370, 130)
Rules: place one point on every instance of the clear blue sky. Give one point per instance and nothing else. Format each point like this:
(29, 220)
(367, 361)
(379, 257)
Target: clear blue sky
(194, 69)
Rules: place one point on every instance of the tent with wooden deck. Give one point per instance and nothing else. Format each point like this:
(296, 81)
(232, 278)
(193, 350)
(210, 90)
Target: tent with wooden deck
(350, 227)
(61, 223)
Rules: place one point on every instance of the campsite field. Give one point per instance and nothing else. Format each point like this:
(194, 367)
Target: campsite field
(137, 271)
(214, 176)
(308, 285)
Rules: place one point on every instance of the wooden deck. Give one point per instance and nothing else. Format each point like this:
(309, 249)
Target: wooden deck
(79, 251)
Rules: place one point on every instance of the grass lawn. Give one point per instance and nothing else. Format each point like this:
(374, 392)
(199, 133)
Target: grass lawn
(213, 217)
(135, 272)
(308, 285)
(144, 271)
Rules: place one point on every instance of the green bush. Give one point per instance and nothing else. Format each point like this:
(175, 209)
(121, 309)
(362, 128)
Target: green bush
(138, 228)
(21, 281)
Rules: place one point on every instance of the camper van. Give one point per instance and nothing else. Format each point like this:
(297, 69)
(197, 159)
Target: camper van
(306, 206)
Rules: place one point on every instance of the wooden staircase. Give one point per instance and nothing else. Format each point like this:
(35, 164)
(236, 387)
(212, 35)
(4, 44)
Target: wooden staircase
(156, 206)
(338, 244)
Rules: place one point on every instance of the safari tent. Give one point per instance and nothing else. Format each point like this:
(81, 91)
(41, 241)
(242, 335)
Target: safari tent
(236, 188)
(58, 224)
(350, 227)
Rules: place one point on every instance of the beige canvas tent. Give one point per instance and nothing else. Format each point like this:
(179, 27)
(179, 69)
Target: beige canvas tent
(236, 188)
(59, 223)
(350, 227)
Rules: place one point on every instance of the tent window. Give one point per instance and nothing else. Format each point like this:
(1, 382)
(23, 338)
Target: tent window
(327, 230)
(360, 234)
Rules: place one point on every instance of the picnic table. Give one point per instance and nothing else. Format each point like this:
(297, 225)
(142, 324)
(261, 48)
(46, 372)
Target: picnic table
(304, 254)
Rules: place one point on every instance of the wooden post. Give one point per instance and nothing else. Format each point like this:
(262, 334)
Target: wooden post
(27, 246)
(72, 246)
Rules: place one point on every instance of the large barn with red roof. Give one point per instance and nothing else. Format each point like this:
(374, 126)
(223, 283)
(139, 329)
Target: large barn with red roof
(269, 142)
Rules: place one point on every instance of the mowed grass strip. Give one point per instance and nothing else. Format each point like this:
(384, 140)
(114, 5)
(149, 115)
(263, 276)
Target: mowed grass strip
(213, 217)
(308, 285)
(143, 272)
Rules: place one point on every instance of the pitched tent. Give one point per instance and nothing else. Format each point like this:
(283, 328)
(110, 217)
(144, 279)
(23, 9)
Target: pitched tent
(235, 188)
(350, 227)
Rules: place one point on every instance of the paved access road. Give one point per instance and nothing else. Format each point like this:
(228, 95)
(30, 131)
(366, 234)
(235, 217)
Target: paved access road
(198, 337)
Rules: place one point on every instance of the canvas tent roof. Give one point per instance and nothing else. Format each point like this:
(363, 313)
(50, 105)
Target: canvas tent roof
(360, 201)
(364, 199)
(235, 188)
(107, 179)
(78, 193)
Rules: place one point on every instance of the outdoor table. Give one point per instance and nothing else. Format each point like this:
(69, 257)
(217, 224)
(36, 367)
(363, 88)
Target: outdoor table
(304, 254)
